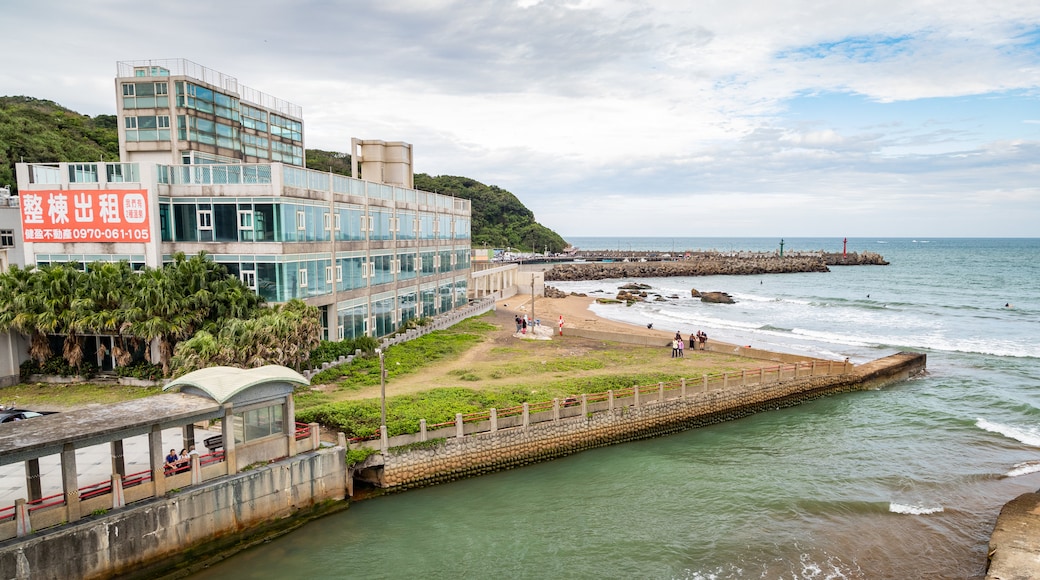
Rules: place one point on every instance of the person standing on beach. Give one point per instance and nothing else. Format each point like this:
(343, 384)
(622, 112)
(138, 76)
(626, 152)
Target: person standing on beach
(680, 344)
(693, 341)
(704, 339)
(561, 325)
(523, 325)
(675, 348)
(517, 318)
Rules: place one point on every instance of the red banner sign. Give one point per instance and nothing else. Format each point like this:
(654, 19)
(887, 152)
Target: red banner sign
(85, 216)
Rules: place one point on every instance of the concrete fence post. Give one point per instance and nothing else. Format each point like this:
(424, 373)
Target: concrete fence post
(682, 388)
(341, 440)
(725, 380)
(21, 513)
(812, 372)
(460, 428)
(384, 441)
(556, 409)
(660, 391)
(315, 430)
(743, 377)
(118, 498)
(635, 393)
(584, 405)
(422, 429)
(494, 419)
(196, 469)
(610, 400)
(705, 382)
(761, 375)
(527, 415)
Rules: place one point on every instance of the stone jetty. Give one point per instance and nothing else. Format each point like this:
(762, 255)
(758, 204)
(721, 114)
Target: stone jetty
(710, 264)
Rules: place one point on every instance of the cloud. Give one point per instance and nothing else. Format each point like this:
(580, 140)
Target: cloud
(729, 116)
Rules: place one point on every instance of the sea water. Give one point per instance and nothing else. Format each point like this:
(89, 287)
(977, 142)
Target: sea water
(902, 482)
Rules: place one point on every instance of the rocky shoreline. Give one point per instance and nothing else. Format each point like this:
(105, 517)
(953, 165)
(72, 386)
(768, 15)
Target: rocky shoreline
(709, 264)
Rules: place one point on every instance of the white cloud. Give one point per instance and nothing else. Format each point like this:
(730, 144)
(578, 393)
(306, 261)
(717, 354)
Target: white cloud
(720, 115)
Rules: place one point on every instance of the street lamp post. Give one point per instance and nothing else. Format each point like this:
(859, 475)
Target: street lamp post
(382, 389)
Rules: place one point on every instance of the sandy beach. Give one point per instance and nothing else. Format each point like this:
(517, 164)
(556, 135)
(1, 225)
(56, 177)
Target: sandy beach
(576, 314)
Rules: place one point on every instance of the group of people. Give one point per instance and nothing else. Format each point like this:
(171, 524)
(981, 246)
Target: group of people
(179, 462)
(677, 343)
(522, 322)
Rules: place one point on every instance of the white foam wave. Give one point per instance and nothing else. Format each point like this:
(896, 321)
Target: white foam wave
(1024, 468)
(914, 510)
(1029, 436)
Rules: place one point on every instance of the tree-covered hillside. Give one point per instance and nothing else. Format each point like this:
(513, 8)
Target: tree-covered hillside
(499, 219)
(39, 131)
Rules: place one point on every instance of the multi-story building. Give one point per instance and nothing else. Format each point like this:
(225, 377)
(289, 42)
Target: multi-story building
(11, 344)
(210, 165)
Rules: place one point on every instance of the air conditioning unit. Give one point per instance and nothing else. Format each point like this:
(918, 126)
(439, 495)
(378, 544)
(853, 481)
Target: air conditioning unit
(5, 191)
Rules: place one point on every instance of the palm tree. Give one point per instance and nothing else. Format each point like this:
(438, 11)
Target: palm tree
(20, 307)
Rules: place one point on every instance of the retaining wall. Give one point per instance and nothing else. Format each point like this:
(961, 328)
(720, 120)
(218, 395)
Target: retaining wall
(156, 537)
(458, 457)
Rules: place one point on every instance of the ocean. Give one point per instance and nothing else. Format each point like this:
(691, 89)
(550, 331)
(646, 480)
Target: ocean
(903, 482)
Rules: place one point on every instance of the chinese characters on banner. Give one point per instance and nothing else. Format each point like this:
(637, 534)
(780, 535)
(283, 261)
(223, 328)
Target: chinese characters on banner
(85, 216)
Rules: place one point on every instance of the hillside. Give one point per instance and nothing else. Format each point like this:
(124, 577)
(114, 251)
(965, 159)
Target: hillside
(40, 131)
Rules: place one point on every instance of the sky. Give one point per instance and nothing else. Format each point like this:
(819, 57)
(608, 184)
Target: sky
(769, 118)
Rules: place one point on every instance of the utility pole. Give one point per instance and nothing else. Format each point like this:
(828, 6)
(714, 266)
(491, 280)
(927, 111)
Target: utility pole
(382, 388)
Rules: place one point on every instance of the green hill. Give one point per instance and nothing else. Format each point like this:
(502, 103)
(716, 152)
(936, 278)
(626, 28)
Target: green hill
(39, 131)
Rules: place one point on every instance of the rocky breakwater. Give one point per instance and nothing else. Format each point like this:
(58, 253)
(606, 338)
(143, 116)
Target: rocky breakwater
(697, 266)
(853, 259)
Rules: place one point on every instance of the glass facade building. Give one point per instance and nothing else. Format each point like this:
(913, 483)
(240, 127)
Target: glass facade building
(218, 168)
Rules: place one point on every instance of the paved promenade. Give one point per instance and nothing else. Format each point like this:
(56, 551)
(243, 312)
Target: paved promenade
(94, 464)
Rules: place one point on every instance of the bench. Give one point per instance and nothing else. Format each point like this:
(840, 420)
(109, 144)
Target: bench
(213, 443)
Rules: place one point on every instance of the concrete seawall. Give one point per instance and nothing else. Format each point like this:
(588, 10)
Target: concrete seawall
(438, 461)
(153, 538)
(1014, 546)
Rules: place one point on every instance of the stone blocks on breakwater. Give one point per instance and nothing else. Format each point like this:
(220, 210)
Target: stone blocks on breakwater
(700, 266)
(459, 457)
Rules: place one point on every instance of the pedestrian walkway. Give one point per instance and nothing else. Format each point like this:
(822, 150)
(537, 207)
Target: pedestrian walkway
(93, 464)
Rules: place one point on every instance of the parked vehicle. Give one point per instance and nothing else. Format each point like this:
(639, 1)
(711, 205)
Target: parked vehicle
(11, 415)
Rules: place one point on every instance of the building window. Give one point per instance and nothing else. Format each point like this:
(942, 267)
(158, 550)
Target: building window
(258, 423)
(128, 89)
(130, 122)
(6, 238)
(328, 274)
(161, 89)
(249, 279)
(205, 219)
(339, 274)
(303, 278)
(301, 220)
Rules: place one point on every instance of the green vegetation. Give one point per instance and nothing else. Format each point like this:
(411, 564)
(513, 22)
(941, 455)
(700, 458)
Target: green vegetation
(355, 456)
(39, 131)
(406, 358)
(499, 219)
(283, 335)
(46, 396)
(191, 307)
